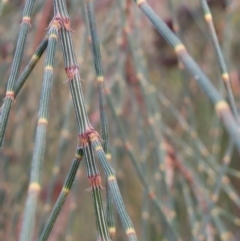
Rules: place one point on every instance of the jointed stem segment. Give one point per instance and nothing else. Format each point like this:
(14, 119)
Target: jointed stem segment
(84, 138)
(42, 121)
(34, 187)
(180, 49)
(26, 20)
(71, 71)
(95, 182)
(85, 128)
(221, 106)
(10, 95)
(63, 195)
(140, 2)
(220, 57)
(39, 149)
(65, 22)
(215, 97)
(17, 60)
(113, 187)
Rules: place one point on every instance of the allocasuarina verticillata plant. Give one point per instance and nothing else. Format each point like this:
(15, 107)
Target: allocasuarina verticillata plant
(161, 166)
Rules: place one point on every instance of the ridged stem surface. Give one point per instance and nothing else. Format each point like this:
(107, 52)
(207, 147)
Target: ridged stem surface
(221, 61)
(30, 66)
(166, 218)
(63, 144)
(28, 69)
(40, 139)
(85, 128)
(99, 74)
(102, 103)
(221, 106)
(62, 196)
(16, 64)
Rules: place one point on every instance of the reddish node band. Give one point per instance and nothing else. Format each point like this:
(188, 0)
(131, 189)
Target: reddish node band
(83, 141)
(26, 20)
(71, 71)
(65, 22)
(95, 181)
(84, 138)
(10, 95)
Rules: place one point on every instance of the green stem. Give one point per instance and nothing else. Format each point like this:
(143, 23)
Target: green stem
(62, 196)
(17, 60)
(40, 143)
(220, 58)
(85, 128)
(102, 103)
(218, 101)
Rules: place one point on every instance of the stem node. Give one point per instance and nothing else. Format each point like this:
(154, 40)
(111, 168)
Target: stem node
(71, 72)
(89, 135)
(10, 95)
(26, 20)
(95, 181)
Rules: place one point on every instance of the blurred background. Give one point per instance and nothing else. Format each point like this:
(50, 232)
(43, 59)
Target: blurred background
(157, 102)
